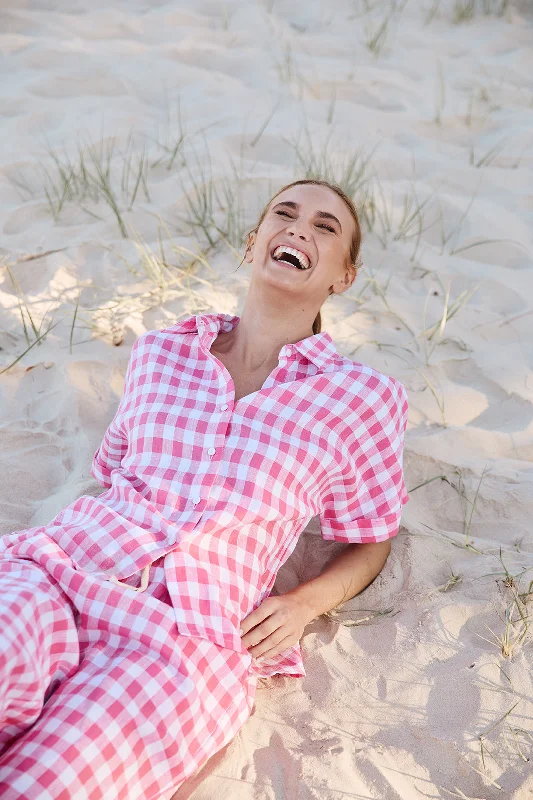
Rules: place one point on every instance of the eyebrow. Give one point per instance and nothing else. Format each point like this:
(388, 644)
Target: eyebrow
(321, 214)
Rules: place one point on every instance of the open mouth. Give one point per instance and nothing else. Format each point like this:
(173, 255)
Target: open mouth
(290, 257)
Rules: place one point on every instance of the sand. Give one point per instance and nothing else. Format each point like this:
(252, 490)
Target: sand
(409, 686)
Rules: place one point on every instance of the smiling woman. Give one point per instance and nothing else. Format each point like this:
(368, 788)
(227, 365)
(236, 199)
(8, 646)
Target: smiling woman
(132, 624)
(323, 220)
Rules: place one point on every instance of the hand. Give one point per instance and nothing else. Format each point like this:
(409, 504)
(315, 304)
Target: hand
(274, 625)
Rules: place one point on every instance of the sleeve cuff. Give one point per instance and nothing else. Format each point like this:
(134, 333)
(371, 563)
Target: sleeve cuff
(360, 531)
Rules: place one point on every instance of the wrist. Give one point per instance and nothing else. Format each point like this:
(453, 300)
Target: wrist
(308, 599)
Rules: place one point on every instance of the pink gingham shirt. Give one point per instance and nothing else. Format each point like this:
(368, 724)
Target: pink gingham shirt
(226, 488)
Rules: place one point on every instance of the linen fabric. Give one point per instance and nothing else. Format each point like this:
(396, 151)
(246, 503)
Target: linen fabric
(109, 702)
(221, 490)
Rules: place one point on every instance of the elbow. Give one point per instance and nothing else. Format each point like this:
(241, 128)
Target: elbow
(382, 554)
(376, 558)
(387, 547)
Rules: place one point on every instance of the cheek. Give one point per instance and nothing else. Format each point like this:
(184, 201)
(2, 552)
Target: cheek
(270, 226)
(333, 251)
(265, 236)
(333, 257)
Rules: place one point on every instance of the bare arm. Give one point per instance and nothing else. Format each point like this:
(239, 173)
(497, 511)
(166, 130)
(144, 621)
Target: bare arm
(346, 575)
(279, 621)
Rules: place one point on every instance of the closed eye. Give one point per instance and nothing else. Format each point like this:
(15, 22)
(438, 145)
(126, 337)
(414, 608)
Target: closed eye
(327, 227)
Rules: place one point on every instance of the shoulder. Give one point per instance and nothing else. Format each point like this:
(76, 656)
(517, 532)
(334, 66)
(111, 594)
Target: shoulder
(363, 382)
(155, 352)
(165, 340)
(369, 397)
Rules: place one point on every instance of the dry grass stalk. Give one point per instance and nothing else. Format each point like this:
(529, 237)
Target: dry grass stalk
(335, 615)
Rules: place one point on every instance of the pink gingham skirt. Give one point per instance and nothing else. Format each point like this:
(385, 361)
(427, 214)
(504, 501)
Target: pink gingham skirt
(100, 696)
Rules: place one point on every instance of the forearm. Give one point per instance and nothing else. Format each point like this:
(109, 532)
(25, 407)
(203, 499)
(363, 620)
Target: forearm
(346, 575)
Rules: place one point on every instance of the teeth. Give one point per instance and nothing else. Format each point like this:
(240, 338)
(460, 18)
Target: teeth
(302, 258)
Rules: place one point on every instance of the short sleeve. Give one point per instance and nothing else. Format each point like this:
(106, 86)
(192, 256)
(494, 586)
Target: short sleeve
(112, 450)
(363, 502)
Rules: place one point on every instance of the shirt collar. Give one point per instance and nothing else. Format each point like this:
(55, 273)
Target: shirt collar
(318, 348)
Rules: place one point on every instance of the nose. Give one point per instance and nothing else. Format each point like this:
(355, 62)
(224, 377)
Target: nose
(298, 229)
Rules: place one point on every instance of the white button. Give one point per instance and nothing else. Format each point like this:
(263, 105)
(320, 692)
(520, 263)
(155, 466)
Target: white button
(211, 451)
(224, 407)
(196, 499)
(289, 349)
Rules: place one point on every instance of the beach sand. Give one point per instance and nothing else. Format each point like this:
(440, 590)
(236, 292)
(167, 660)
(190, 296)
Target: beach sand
(113, 114)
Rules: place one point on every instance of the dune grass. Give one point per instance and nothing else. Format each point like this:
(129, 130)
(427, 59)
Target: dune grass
(395, 214)
(33, 332)
(289, 72)
(440, 93)
(376, 210)
(462, 12)
(432, 12)
(432, 335)
(453, 233)
(93, 176)
(214, 215)
(487, 157)
(380, 290)
(343, 616)
(453, 580)
(167, 276)
(36, 341)
(265, 124)
(351, 170)
(469, 506)
(172, 146)
(378, 30)
(377, 35)
(437, 395)
(516, 630)
(363, 7)
(457, 483)
(215, 207)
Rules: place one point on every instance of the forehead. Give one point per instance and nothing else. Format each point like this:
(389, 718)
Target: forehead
(317, 198)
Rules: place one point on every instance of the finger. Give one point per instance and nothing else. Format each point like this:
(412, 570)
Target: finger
(288, 641)
(257, 616)
(260, 632)
(270, 642)
(257, 634)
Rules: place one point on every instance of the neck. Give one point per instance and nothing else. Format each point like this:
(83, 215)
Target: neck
(257, 339)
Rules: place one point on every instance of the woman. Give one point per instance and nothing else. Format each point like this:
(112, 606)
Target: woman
(134, 623)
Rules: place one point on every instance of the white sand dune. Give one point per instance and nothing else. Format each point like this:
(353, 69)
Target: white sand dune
(393, 706)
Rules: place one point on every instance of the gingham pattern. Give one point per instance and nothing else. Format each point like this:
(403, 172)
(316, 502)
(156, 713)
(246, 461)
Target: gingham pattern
(131, 707)
(225, 488)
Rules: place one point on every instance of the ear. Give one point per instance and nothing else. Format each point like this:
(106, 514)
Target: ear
(249, 253)
(343, 284)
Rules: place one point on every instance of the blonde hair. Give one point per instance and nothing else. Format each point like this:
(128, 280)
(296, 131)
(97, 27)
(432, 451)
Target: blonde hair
(355, 245)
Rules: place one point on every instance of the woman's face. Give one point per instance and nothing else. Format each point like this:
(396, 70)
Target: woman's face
(316, 221)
